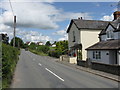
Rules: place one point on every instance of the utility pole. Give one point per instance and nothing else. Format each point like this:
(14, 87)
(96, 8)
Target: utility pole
(14, 31)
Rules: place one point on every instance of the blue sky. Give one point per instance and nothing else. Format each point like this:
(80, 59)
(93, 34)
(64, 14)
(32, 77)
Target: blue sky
(48, 21)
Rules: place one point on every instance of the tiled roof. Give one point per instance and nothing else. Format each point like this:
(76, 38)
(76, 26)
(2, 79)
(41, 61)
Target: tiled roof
(88, 24)
(106, 45)
(114, 24)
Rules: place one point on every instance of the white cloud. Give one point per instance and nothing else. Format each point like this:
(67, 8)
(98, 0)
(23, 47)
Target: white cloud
(61, 32)
(37, 15)
(33, 36)
(70, 15)
(107, 18)
(63, 38)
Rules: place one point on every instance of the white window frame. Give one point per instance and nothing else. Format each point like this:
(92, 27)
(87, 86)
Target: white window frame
(110, 34)
(96, 54)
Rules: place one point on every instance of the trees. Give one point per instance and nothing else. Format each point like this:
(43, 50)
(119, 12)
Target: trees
(62, 46)
(5, 38)
(60, 49)
(43, 48)
(18, 42)
(48, 43)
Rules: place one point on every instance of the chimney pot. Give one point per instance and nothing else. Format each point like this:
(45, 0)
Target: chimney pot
(80, 18)
(116, 14)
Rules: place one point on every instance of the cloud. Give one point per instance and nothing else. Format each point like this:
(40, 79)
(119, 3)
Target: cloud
(107, 18)
(70, 15)
(61, 32)
(33, 36)
(63, 38)
(36, 14)
(63, 35)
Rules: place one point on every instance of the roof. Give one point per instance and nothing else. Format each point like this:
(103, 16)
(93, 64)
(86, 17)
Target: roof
(88, 24)
(105, 45)
(114, 24)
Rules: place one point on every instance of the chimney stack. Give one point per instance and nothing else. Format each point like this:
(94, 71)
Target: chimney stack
(116, 14)
(80, 18)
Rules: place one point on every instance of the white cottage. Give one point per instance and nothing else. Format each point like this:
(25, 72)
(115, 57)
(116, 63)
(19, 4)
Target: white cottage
(82, 34)
(108, 49)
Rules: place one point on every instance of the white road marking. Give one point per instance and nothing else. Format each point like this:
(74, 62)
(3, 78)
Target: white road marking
(40, 64)
(54, 74)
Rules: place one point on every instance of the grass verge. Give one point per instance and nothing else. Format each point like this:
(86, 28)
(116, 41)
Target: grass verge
(38, 53)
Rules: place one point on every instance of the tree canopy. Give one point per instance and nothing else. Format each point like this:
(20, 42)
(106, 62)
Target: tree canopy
(48, 43)
(18, 42)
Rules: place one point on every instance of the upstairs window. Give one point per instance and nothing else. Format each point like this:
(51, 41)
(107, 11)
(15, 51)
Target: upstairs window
(118, 26)
(110, 34)
(73, 36)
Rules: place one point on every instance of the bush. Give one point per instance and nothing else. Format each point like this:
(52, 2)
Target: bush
(9, 61)
(55, 53)
(43, 49)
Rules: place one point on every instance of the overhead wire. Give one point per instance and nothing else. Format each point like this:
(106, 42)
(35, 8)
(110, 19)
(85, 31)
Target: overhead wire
(11, 8)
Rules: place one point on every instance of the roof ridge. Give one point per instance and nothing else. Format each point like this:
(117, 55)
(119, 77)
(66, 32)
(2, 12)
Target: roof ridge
(91, 20)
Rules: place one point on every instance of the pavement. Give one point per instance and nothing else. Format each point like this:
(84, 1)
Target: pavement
(34, 71)
(96, 72)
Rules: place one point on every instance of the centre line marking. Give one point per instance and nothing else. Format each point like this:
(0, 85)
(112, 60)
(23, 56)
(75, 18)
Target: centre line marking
(40, 64)
(54, 74)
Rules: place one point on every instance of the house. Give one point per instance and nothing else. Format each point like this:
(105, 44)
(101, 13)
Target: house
(40, 43)
(107, 50)
(82, 34)
(28, 43)
(53, 45)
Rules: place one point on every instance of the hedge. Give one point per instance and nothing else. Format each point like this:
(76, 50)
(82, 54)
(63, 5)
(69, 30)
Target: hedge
(9, 61)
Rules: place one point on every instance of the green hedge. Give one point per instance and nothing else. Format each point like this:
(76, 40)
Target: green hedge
(9, 61)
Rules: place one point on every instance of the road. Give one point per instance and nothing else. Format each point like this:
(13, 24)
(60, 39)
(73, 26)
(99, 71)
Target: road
(35, 71)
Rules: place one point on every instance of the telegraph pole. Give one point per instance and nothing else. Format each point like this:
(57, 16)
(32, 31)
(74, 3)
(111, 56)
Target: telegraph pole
(14, 31)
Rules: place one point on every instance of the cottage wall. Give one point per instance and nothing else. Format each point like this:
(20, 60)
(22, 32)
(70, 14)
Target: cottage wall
(88, 38)
(104, 56)
(70, 36)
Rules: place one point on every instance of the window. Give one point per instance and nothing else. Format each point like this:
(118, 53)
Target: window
(93, 54)
(118, 26)
(96, 55)
(109, 34)
(73, 36)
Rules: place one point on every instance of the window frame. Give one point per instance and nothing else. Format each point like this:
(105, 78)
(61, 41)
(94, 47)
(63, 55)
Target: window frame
(97, 55)
(73, 36)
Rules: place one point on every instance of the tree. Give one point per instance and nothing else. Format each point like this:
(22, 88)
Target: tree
(18, 42)
(48, 43)
(33, 46)
(60, 49)
(5, 38)
(62, 46)
(43, 48)
(25, 46)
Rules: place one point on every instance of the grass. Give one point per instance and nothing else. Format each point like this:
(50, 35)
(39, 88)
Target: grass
(38, 53)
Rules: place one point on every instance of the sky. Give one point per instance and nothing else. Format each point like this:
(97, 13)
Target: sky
(48, 21)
